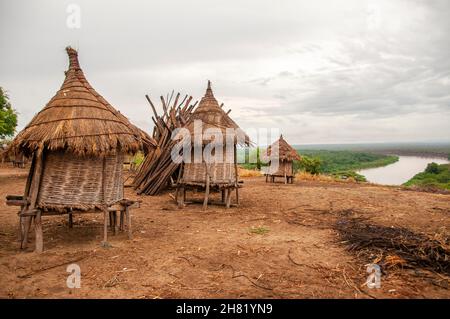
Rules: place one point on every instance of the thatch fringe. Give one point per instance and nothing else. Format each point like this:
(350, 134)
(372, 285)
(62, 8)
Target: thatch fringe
(282, 150)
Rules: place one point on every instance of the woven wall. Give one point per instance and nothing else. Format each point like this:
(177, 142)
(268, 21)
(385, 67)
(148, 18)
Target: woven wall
(284, 167)
(222, 172)
(71, 181)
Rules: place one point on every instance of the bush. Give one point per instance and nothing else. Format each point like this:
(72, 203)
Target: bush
(311, 165)
(432, 168)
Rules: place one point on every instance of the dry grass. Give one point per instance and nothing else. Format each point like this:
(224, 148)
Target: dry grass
(305, 176)
(243, 172)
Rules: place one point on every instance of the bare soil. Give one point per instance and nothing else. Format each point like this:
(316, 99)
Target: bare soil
(280, 243)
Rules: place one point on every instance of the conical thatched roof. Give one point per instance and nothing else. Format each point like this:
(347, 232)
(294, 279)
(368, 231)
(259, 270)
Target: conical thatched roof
(79, 120)
(213, 116)
(285, 152)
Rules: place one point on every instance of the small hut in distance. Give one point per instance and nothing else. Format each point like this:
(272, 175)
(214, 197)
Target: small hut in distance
(285, 154)
(209, 175)
(77, 143)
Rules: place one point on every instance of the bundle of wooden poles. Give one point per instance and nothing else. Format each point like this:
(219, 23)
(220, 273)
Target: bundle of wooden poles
(158, 170)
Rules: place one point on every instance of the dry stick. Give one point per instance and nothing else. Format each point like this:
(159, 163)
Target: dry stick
(152, 106)
(51, 267)
(170, 99)
(254, 283)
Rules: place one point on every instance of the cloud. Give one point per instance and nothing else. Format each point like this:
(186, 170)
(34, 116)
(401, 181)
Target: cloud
(367, 69)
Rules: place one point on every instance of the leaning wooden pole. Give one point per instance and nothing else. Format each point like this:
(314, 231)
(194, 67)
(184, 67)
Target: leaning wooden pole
(158, 169)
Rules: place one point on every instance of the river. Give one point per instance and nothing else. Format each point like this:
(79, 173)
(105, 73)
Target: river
(401, 171)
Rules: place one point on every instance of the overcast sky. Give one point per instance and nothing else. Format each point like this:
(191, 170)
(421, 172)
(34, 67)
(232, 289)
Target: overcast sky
(321, 71)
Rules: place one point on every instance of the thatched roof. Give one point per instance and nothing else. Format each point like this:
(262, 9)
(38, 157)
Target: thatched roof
(213, 116)
(79, 120)
(282, 150)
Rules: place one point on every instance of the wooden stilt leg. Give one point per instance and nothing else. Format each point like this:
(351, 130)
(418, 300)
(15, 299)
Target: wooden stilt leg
(105, 227)
(223, 195)
(237, 195)
(116, 225)
(285, 179)
(26, 230)
(39, 238)
(110, 219)
(127, 212)
(70, 220)
(122, 220)
(229, 198)
(181, 197)
(205, 201)
(21, 229)
(267, 177)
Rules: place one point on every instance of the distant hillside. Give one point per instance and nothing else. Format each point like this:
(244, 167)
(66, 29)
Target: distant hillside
(417, 149)
(435, 175)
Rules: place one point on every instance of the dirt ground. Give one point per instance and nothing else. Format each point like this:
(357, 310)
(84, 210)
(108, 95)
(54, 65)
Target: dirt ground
(280, 243)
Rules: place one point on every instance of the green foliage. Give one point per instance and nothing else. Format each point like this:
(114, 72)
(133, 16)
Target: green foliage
(436, 176)
(311, 165)
(138, 158)
(349, 174)
(8, 116)
(339, 161)
(432, 168)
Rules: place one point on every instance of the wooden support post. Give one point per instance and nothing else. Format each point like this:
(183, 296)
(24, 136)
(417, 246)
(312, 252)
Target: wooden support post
(20, 237)
(111, 219)
(229, 198)
(26, 229)
(116, 225)
(127, 212)
(227, 194)
(105, 227)
(39, 233)
(205, 202)
(122, 220)
(181, 197)
(70, 220)
(223, 195)
(237, 194)
(33, 192)
(267, 177)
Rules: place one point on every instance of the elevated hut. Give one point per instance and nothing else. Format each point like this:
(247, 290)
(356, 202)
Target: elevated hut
(281, 156)
(212, 164)
(77, 143)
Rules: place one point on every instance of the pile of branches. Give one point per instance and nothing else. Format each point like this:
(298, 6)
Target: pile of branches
(395, 246)
(158, 170)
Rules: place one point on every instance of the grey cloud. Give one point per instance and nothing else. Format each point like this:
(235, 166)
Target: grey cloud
(267, 60)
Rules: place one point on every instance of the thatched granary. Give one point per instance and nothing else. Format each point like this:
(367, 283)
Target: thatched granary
(281, 156)
(218, 169)
(77, 143)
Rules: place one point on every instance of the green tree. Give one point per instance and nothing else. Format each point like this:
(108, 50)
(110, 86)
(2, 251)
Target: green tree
(432, 168)
(8, 116)
(311, 164)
